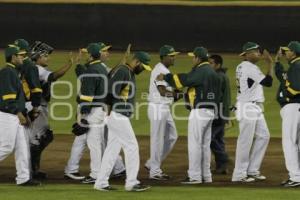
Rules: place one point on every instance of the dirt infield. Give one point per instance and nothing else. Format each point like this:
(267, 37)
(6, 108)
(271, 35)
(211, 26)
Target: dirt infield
(55, 158)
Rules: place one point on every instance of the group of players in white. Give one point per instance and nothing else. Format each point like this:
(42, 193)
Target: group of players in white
(164, 89)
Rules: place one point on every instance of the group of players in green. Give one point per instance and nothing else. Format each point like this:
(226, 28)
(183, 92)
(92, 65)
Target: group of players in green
(25, 130)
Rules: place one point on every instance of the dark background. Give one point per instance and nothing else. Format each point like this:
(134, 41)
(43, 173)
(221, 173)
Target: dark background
(148, 27)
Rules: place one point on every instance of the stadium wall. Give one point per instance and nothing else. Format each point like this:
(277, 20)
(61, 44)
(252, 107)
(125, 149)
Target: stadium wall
(69, 26)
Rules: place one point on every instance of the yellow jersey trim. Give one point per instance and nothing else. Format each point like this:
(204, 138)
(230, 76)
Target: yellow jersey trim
(9, 96)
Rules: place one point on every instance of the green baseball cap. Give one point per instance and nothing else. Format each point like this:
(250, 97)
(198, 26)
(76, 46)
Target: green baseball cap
(292, 46)
(13, 50)
(92, 48)
(144, 58)
(103, 46)
(249, 46)
(200, 52)
(167, 50)
(22, 44)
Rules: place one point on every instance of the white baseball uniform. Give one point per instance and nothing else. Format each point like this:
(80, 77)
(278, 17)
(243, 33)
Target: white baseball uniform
(254, 134)
(121, 135)
(162, 126)
(79, 145)
(13, 138)
(199, 138)
(290, 114)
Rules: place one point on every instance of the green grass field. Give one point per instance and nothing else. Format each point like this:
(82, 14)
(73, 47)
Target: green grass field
(140, 123)
(80, 192)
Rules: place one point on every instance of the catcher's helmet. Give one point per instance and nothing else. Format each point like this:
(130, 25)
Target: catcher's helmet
(39, 48)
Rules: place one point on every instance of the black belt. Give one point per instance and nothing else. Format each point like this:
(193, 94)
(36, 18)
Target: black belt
(205, 106)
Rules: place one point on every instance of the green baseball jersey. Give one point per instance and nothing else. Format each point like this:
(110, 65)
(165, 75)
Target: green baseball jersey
(11, 91)
(31, 83)
(93, 87)
(204, 85)
(80, 69)
(289, 88)
(121, 90)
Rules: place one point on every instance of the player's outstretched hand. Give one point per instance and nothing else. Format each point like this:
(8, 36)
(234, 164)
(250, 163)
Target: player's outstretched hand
(278, 55)
(267, 56)
(126, 55)
(79, 57)
(71, 59)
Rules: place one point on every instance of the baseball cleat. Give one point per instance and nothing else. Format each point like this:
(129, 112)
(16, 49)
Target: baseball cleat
(284, 182)
(122, 174)
(189, 181)
(160, 177)
(88, 180)
(258, 177)
(39, 175)
(105, 189)
(30, 183)
(138, 188)
(208, 180)
(74, 176)
(245, 180)
(291, 183)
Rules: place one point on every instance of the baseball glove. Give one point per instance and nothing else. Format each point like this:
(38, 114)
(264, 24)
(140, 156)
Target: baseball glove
(80, 129)
(33, 115)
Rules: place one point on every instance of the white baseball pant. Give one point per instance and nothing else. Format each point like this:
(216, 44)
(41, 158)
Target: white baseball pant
(252, 141)
(13, 138)
(163, 136)
(199, 138)
(121, 135)
(290, 115)
(78, 147)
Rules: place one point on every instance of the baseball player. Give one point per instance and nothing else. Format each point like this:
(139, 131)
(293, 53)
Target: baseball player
(288, 97)
(203, 91)
(33, 93)
(80, 142)
(13, 116)
(93, 108)
(162, 126)
(121, 94)
(254, 133)
(217, 145)
(40, 133)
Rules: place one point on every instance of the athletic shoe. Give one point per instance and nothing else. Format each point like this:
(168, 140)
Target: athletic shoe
(105, 189)
(291, 183)
(160, 177)
(208, 180)
(188, 181)
(122, 174)
(138, 188)
(30, 182)
(88, 180)
(258, 177)
(74, 176)
(245, 180)
(284, 182)
(39, 175)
